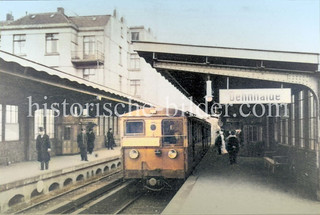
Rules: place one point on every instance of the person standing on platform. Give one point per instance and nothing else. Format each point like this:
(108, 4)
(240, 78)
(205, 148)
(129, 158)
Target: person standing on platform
(43, 148)
(110, 139)
(223, 143)
(91, 138)
(218, 142)
(233, 147)
(82, 140)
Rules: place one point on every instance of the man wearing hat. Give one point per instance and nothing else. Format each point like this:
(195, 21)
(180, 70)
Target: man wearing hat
(43, 148)
(82, 140)
(233, 147)
(110, 139)
(91, 138)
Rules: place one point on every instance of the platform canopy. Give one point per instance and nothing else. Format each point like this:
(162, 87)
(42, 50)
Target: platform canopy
(20, 77)
(188, 67)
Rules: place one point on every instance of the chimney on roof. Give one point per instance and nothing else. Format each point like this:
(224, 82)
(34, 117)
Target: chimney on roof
(9, 17)
(115, 13)
(60, 10)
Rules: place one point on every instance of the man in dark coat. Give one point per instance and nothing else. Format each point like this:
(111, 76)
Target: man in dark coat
(218, 142)
(82, 140)
(110, 139)
(43, 148)
(91, 138)
(233, 147)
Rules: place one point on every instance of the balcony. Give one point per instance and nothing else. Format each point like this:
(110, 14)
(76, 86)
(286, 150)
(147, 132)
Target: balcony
(79, 58)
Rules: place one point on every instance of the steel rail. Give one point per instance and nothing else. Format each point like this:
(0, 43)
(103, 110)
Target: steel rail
(67, 192)
(129, 203)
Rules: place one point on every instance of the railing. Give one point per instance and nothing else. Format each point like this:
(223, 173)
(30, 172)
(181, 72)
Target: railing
(82, 56)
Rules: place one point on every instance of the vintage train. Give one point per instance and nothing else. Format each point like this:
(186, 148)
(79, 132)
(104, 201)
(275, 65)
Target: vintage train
(159, 145)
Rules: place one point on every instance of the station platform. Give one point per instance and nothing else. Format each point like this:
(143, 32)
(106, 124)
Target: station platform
(216, 187)
(31, 169)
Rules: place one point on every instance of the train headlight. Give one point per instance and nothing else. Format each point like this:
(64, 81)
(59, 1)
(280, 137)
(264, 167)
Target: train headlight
(134, 154)
(172, 154)
(152, 181)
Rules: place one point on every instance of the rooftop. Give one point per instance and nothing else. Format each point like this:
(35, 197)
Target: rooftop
(90, 21)
(58, 18)
(41, 18)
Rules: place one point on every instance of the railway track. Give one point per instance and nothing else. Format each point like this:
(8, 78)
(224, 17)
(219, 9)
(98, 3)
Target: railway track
(130, 198)
(45, 203)
(130, 202)
(148, 202)
(105, 196)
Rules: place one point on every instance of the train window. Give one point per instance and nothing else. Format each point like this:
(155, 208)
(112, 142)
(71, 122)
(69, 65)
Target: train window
(134, 128)
(172, 131)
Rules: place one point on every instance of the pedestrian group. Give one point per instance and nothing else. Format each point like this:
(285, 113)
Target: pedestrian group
(228, 145)
(85, 142)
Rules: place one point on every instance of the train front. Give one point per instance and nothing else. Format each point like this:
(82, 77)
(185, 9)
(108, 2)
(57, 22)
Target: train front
(153, 146)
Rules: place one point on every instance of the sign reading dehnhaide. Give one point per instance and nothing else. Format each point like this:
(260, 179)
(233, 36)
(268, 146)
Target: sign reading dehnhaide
(254, 96)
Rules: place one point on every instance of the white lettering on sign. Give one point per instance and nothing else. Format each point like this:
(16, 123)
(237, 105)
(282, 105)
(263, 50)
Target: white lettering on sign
(254, 96)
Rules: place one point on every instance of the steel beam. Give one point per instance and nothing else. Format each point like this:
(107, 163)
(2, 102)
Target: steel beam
(309, 80)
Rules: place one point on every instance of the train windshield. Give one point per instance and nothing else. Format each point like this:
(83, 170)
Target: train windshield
(134, 128)
(172, 132)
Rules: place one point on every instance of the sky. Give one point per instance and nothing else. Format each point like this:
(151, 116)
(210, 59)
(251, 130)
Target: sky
(286, 25)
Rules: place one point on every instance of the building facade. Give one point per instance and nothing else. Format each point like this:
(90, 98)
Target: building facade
(94, 48)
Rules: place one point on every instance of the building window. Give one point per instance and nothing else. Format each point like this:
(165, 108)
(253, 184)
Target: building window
(116, 126)
(51, 43)
(12, 123)
(111, 122)
(50, 123)
(45, 120)
(101, 129)
(121, 31)
(88, 72)
(67, 133)
(135, 86)
(88, 47)
(120, 55)
(19, 44)
(134, 36)
(252, 133)
(38, 121)
(107, 125)
(134, 62)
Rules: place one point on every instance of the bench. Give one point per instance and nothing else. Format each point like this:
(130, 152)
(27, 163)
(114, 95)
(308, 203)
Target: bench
(275, 162)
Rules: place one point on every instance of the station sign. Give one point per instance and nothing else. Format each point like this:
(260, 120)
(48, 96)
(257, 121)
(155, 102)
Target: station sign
(89, 120)
(255, 96)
